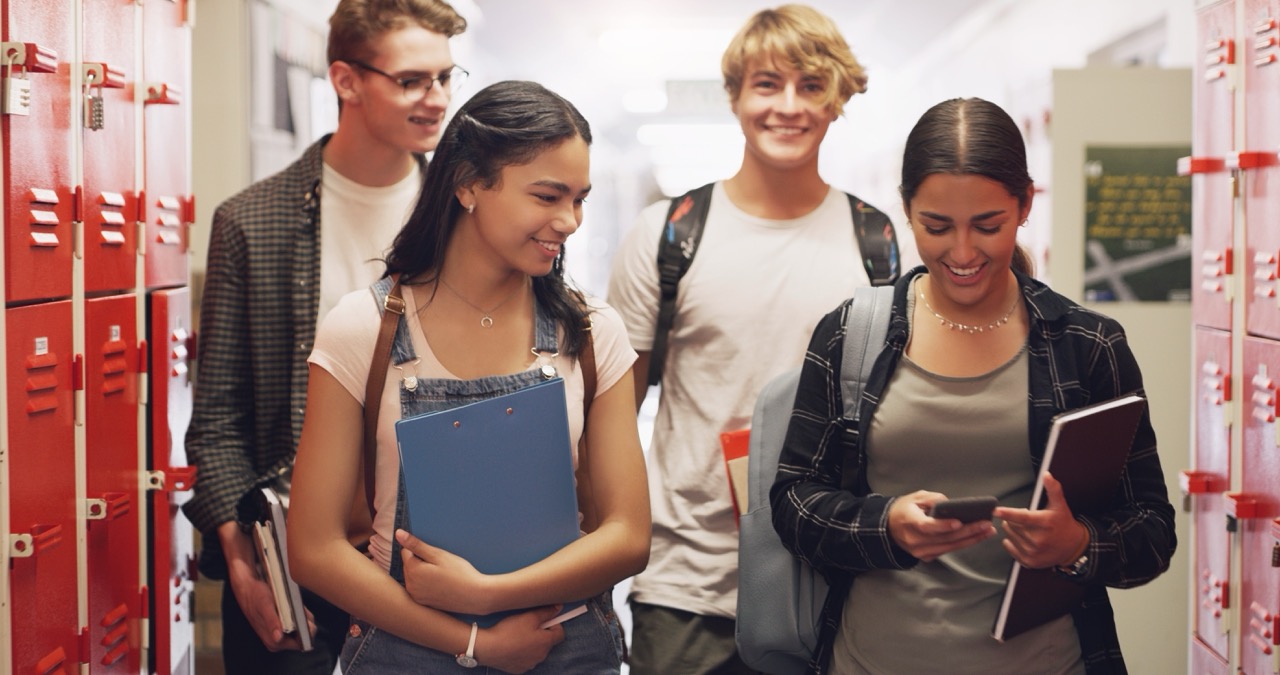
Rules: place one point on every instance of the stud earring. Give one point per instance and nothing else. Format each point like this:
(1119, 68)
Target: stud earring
(471, 208)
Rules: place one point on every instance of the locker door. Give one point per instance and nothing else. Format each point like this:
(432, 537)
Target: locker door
(37, 149)
(109, 190)
(1261, 168)
(112, 487)
(42, 490)
(1258, 506)
(172, 556)
(1211, 184)
(168, 209)
(1205, 485)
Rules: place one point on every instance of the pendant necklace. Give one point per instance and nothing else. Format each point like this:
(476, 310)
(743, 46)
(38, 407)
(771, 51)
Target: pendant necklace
(486, 320)
(966, 328)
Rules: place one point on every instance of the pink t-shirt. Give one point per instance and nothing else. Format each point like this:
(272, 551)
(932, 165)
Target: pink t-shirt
(344, 347)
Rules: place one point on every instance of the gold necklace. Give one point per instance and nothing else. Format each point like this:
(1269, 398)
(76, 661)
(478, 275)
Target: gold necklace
(953, 325)
(486, 320)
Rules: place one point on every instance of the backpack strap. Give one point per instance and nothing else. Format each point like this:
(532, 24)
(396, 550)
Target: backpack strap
(680, 236)
(866, 328)
(686, 219)
(877, 242)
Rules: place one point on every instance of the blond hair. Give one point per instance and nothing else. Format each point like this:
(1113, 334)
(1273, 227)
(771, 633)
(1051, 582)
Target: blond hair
(356, 23)
(802, 38)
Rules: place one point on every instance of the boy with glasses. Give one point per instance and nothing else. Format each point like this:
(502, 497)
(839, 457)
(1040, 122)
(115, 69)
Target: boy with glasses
(280, 257)
(778, 251)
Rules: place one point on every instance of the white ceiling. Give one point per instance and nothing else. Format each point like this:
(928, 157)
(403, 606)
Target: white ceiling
(602, 49)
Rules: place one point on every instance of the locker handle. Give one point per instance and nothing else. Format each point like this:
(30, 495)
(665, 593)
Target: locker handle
(173, 479)
(1199, 482)
(162, 93)
(180, 478)
(1253, 159)
(111, 506)
(1192, 165)
(1275, 529)
(41, 539)
(32, 57)
(103, 75)
(1243, 505)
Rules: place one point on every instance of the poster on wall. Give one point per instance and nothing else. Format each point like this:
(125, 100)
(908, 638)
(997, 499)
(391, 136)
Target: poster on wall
(1137, 244)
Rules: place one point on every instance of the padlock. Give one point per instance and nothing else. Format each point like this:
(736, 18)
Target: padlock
(15, 95)
(93, 110)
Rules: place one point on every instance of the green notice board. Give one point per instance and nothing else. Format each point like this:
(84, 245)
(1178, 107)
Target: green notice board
(1137, 244)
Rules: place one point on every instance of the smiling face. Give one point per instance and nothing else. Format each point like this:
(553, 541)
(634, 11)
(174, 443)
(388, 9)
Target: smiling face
(965, 228)
(388, 116)
(784, 115)
(523, 220)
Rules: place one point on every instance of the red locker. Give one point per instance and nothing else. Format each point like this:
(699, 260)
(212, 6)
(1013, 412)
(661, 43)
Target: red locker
(37, 149)
(1261, 167)
(113, 509)
(172, 557)
(1205, 484)
(109, 191)
(42, 489)
(1211, 184)
(168, 207)
(1258, 509)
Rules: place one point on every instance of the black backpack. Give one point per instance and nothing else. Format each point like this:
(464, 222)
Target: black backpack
(683, 230)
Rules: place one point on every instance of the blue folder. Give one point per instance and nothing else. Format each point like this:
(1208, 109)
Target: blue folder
(492, 481)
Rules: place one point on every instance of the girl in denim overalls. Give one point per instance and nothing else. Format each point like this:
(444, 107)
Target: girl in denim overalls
(480, 263)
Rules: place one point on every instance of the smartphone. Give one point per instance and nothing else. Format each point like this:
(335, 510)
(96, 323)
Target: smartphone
(964, 509)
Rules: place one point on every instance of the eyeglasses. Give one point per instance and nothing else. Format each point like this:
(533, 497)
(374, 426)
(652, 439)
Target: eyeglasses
(416, 87)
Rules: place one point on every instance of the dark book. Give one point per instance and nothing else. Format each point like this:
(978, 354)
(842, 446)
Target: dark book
(1086, 452)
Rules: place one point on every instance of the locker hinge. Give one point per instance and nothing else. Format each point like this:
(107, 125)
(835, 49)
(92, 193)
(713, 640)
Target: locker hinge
(85, 651)
(77, 223)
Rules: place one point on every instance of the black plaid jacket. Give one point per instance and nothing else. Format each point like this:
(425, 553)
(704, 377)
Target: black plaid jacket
(257, 324)
(1076, 357)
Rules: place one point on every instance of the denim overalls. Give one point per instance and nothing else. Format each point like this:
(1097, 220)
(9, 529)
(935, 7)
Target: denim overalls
(593, 641)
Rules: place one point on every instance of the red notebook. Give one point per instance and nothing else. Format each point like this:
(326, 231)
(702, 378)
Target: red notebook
(735, 445)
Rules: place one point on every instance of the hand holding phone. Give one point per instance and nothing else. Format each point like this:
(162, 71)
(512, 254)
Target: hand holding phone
(964, 509)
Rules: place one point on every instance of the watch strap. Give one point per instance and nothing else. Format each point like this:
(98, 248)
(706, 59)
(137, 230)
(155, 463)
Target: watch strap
(467, 659)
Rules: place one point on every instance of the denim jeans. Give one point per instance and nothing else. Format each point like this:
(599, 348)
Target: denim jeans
(592, 646)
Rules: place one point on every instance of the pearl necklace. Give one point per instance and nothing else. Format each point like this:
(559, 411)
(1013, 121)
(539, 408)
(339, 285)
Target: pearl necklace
(486, 321)
(966, 327)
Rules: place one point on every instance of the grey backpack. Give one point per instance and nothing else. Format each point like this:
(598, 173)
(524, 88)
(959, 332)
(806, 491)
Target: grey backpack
(780, 598)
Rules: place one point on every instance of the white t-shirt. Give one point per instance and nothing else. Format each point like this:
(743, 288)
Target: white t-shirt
(358, 223)
(344, 347)
(745, 312)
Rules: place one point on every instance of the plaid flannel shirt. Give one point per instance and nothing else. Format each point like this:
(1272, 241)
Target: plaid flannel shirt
(257, 324)
(1076, 357)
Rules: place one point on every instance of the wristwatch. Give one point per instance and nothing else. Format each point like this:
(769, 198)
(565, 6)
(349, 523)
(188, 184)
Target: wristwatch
(467, 659)
(1076, 568)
